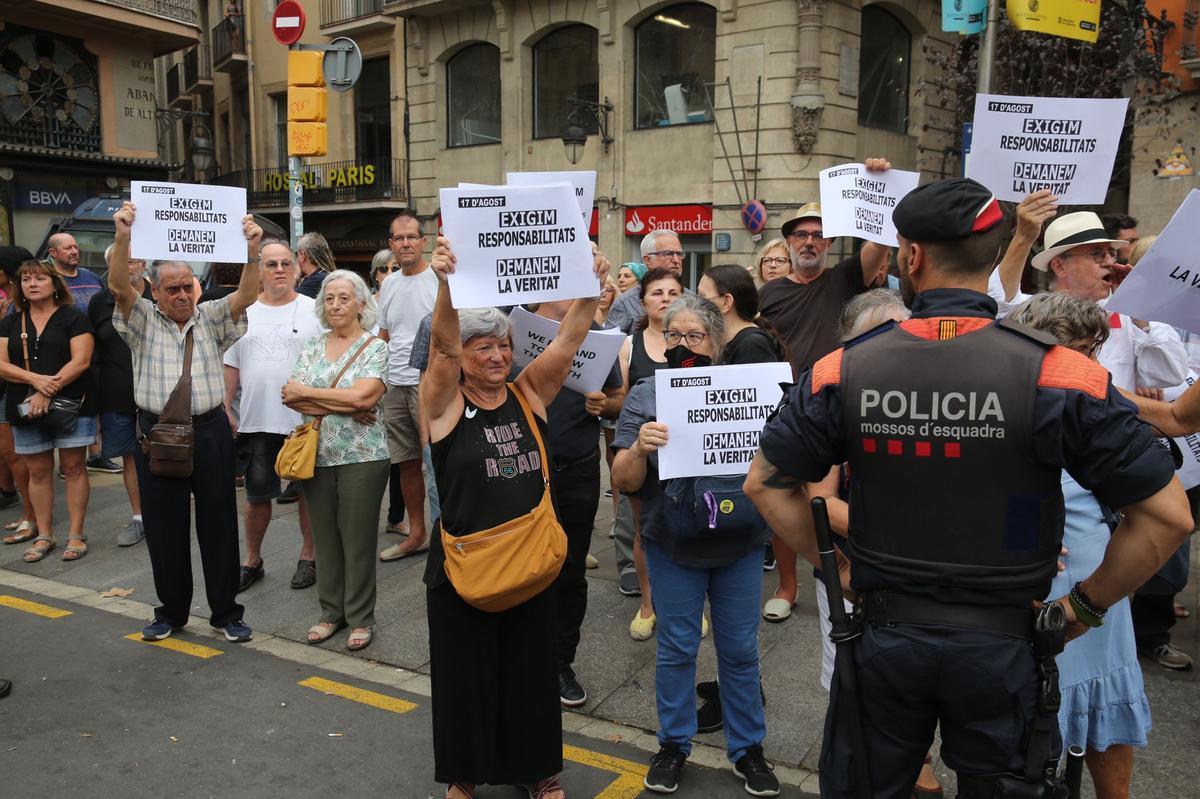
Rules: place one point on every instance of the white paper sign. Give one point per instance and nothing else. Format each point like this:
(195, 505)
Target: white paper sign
(1189, 472)
(1020, 145)
(714, 415)
(1165, 285)
(516, 244)
(187, 222)
(592, 362)
(855, 202)
(582, 182)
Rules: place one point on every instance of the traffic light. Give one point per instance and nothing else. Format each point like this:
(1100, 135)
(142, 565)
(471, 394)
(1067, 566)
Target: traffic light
(307, 99)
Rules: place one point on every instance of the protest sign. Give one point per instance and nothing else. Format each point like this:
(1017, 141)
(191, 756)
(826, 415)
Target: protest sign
(187, 222)
(1020, 145)
(1165, 285)
(592, 362)
(1189, 472)
(583, 183)
(714, 415)
(855, 202)
(517, 244)
(964, 16)
(1071, 19)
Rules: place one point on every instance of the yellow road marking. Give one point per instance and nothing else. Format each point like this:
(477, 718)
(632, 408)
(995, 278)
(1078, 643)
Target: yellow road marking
(175, 645)
(628, 784)
(381, 701)
(36, 608)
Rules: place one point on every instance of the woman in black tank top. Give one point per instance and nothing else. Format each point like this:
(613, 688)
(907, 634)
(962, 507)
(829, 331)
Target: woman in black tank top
(496, 714)
(644, 354)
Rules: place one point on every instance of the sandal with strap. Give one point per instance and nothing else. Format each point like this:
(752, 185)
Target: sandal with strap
(462, 788)
(546, 789)
(76, 548)
(36, 553)
(24, 530)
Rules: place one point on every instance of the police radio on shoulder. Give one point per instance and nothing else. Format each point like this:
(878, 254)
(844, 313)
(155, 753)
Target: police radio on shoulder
(1085, 611)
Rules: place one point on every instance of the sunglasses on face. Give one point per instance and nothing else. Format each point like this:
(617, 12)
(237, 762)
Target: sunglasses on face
(389, 268)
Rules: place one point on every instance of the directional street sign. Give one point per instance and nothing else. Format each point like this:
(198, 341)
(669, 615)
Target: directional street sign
(287, 23)
(342, 64)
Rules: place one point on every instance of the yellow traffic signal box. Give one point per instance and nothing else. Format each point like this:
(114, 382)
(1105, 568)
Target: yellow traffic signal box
(307, 101)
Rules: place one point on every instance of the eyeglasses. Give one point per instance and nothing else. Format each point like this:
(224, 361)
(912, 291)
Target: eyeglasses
(805, 235)
(1097, 256)
(406, 237)
(389, 268)
(276, 265)
(667, 254)
(693, 339)
(776, 261)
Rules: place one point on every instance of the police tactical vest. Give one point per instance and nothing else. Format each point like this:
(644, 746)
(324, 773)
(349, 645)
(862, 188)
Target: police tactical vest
(946, 497)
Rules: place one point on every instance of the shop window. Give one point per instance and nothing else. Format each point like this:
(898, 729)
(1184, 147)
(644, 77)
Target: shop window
(675, 58)
(885, 51)
(565, 63)
(473, 96)
(373, 113)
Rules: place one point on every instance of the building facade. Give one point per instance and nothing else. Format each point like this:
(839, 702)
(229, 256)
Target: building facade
(79, 104)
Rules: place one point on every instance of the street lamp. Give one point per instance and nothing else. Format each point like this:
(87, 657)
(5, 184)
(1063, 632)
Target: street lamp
(574, 138)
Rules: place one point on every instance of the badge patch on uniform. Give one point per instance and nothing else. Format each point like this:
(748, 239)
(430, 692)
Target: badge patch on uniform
(947, 329)
(507, 467)
(726, 506)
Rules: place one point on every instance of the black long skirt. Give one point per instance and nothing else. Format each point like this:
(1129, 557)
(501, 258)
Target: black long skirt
(496, 713)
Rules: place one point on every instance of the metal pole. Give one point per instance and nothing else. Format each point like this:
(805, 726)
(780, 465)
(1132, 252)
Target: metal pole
(295, 194)
(987, 48)
(737, 136)
(757, 131)
(721, 138)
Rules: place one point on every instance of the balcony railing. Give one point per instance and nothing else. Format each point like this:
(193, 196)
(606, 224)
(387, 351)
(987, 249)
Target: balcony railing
(228, 40)
(331, 182)
(1191, 31)
(174, 89)
(197, 67)
(335, 12)
(177, 10)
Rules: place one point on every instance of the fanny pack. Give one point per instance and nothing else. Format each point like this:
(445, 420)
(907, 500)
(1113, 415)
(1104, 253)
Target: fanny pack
(168, 446)
(503, 566)
(710, 507)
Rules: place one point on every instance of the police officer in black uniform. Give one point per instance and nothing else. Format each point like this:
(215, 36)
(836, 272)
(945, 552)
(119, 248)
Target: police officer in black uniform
(955, 428)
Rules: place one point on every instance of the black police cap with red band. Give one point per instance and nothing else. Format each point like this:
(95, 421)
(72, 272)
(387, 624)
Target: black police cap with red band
(947, 210)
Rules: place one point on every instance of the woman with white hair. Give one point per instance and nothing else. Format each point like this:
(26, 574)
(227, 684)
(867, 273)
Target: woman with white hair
(340, 378)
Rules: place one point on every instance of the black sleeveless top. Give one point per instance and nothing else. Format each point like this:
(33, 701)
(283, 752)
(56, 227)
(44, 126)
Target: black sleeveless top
(488, 471)
(640, 363)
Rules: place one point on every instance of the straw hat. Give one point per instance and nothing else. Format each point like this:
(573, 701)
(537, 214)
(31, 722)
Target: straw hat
(806, 211)
(1068, 232)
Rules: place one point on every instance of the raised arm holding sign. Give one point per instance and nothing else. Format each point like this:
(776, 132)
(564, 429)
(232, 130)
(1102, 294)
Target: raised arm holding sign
(855, 202)
(188, 222)
(592, 360)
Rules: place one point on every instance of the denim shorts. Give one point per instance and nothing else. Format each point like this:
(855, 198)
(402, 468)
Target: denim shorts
(256, 453)
(118, 434)
(30, 439)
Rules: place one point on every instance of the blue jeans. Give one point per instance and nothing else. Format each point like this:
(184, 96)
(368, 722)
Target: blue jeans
(733, 593)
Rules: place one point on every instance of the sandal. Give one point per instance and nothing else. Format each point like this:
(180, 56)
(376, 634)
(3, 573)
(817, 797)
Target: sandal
(25, 530)
(399, 528)
(461, 787)
(544, 789)
(36, 553)
(76, 548)
(321, 632)
(360, 639)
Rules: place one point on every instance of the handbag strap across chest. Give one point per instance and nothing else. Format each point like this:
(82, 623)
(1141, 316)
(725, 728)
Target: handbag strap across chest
(178, 409)
(341, 374)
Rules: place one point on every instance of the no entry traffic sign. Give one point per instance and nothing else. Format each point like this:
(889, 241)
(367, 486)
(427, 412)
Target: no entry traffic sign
(287, 23)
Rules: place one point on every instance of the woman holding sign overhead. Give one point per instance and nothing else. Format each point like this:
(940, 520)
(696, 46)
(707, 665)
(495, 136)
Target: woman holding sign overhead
(492, 631)
(689, 562)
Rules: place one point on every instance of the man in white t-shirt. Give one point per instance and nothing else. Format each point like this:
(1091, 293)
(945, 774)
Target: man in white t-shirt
(405, 299)
(259, 364)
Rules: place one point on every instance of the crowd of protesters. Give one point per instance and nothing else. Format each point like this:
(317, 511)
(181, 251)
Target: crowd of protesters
(414, 395)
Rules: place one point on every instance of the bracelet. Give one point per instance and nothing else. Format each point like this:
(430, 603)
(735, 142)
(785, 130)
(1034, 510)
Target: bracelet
(1085, 611)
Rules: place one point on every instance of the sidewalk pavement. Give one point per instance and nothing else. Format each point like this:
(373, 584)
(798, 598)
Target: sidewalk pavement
(617, 672)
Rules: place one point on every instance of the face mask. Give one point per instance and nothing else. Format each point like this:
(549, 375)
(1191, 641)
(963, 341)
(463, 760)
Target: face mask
(680, 357)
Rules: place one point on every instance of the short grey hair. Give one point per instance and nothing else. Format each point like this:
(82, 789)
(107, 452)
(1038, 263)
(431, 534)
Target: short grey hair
(868, 310)
(155, 271)
(370, 309)
(476, 322)
(1069, 319)
(650, 240)
(708, 314)
(378, 261)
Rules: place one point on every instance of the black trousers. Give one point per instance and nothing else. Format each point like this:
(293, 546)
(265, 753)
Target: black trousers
(166, 514)
(577, 495)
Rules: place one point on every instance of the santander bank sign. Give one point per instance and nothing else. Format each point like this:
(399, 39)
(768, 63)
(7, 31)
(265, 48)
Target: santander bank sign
(682, 219)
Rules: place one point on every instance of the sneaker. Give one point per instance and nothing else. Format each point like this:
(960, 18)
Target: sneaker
(290, 494)
(99, 464)
(237, 632)
(9, 498)
(663, 775)
(641, 628)
(158, 629)
(757, 772)
(1170, 656)
(769, 558)
(570, 692)
(629, 585)
(608, 493)
(131, 534)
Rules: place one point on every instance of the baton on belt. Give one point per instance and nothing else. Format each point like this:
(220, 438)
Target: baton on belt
(1074, 771)
(843, 633)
